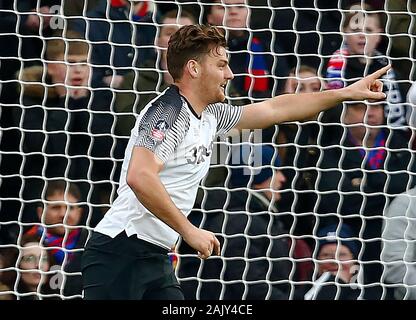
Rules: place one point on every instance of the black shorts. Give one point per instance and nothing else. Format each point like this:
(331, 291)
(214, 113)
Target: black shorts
(127, 268)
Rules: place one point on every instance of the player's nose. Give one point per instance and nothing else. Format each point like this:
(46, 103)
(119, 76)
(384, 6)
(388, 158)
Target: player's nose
(229, 75)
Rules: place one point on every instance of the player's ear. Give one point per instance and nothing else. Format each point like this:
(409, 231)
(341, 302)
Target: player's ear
(193, 68)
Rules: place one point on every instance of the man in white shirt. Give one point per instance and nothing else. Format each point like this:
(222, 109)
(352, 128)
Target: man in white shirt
(169, 153)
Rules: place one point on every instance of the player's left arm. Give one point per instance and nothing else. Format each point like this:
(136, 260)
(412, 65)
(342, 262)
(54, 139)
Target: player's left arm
(291, 107)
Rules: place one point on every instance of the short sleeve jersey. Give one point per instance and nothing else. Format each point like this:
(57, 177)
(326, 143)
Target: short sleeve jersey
(183, 141)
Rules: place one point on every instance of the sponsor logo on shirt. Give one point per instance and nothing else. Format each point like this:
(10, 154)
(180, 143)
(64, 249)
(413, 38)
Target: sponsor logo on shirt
(159, 131)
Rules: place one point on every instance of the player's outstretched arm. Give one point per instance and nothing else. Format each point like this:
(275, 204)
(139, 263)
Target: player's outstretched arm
(291, 107)
(143, 179)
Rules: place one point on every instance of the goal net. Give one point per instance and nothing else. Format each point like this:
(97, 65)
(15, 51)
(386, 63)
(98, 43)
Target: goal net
(314, 209)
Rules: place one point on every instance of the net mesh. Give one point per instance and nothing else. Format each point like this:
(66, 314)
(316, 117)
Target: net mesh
(74, 74)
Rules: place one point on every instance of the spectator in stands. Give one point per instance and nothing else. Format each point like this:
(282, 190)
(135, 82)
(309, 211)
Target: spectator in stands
(296, 150)
(398, 254)
(67, 129)
(144, 85)
(251, 59)
(359, 56)
(31, 19)
(115, 28)
(254, 263)
(30, 281)
(61, 216)
(359, 176)
(23, 24)
(308, 31)
(337, 254)
(302, 79)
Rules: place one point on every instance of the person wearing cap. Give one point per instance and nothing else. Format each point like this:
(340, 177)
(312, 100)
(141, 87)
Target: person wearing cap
(246, 215)
(357, 178)
(337, 254)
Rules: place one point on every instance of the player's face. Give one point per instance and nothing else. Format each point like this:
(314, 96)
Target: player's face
(35, 259)
(215, 73)
(363, 35)
(307, 82)
(58, 212)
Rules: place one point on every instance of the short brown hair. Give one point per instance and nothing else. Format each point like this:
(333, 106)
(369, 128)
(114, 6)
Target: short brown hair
(192, 42)
(71, 43)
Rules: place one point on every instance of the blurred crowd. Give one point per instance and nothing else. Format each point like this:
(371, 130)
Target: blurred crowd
(326, 213)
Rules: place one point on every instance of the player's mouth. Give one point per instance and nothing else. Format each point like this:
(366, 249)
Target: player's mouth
(223, 86)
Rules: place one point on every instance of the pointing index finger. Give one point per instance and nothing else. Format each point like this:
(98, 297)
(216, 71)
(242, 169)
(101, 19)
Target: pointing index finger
(377, 74)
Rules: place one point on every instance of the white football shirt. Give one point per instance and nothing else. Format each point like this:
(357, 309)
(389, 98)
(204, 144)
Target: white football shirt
(171, 129)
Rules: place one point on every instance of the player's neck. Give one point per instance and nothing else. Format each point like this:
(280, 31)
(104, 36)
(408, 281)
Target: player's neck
(192, 96)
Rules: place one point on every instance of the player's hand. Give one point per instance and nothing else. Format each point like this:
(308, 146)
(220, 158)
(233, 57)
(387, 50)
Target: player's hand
(203, 241)
(370, 87)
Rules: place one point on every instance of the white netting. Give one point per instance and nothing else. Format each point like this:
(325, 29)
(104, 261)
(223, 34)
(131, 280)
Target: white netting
(73, 74)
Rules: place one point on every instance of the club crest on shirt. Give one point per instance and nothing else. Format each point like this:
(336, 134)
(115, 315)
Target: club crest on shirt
(159, 131)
